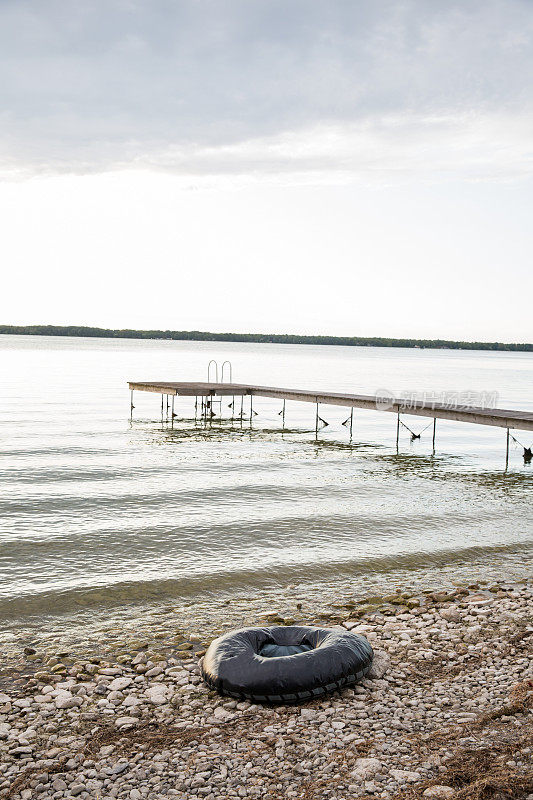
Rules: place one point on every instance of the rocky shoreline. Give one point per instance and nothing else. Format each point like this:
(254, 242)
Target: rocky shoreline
(445, 713)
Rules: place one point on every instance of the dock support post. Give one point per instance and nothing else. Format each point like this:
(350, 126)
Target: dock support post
(131, 406)
(195, 407)
(351, 422)
(507, 450)
(283, 415)
(398, 431)
(172, 410)
(251, 409)
(162, 415)
(316, 421)
(434, 431)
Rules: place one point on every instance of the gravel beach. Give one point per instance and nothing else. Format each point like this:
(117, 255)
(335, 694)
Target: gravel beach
(446, 712)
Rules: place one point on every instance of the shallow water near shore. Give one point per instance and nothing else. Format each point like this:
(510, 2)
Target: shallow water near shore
(103, 520)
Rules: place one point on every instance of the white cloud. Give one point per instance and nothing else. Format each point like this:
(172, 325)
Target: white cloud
(306, 89)
(389, 150)
(393, 149)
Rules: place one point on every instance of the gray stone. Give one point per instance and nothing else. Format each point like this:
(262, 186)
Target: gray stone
(66, 700)
(451, 614)
(22, 751)
(120, 767)
(405, 776)
(152, 673)
(380, 665)
(222, 713)
(118, 684)
(439, 792)
(121, 721)
(366, 768)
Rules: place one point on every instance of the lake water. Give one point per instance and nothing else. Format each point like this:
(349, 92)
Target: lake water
(100, 516)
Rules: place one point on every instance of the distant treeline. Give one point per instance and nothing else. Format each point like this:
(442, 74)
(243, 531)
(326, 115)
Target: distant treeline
(272, 338)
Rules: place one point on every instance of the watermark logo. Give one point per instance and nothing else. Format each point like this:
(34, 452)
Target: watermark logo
(385, 399)
(454, 400)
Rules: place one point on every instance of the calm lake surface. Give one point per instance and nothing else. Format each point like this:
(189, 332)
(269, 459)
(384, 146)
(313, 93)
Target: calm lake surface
(100, 517)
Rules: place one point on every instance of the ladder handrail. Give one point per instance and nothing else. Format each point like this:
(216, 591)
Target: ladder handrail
(230, 372)
(209, 370)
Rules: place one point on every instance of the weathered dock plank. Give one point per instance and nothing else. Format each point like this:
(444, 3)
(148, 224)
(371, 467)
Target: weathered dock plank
(499, 417)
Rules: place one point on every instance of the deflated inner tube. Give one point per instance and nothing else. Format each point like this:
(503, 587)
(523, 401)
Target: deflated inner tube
(285, 664)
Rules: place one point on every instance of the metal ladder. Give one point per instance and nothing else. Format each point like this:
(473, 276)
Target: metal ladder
(208, 402)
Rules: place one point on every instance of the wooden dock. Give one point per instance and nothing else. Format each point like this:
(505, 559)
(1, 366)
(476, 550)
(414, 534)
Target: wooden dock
(499, 417)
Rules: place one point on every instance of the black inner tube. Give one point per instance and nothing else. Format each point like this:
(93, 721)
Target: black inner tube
(285, 663)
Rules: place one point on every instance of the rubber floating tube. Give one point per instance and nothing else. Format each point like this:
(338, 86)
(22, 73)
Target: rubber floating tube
(285, 664)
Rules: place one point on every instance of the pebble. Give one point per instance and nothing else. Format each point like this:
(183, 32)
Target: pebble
(121, 721)
(404, 775)
(451, 614)
(66, 700)
(440, 663)
(380, 665)
(222, 713)
(439, 792)
(118, 684)
(366, 767)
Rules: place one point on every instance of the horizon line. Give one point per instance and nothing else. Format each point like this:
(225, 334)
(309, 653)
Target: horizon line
(85, 331)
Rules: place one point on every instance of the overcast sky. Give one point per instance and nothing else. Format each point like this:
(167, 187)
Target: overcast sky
(307, 166)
